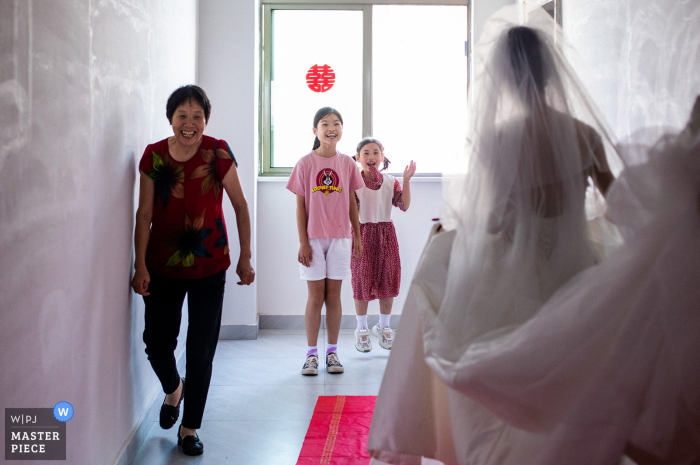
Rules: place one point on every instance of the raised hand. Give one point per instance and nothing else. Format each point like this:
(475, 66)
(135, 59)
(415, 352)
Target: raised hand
(409, 171)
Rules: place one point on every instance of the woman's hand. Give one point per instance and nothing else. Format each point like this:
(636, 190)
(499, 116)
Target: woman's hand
(357, 249)
(142, 232)
(233, 188)
(305, 254)
(140, 282)
(245, 272)
(409, 171)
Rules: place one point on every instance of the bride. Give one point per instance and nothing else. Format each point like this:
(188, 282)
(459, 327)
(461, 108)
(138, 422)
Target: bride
(518, 231)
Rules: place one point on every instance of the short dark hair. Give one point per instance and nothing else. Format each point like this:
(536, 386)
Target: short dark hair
(184, 94)
(526, 51)
(320, 114)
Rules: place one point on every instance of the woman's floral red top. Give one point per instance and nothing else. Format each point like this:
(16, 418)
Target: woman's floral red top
(188, 233)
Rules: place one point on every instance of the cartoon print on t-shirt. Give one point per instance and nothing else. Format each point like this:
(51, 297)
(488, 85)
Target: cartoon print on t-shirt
(327, 182)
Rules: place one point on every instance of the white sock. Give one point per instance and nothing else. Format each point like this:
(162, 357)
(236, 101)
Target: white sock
(384, 320)
(311, 350)
(361, 321)
(332, 348)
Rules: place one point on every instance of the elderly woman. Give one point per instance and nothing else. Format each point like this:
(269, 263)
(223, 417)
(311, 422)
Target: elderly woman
(182, 249)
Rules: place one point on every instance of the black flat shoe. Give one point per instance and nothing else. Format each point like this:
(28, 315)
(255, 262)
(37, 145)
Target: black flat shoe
(191, 445)
(169, 413)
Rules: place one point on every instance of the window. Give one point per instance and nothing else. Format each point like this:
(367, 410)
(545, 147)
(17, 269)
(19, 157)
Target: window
(395, 72)
(553, 7)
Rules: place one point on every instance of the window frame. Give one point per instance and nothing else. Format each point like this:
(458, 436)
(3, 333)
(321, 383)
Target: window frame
(553, 7)
(267, 6)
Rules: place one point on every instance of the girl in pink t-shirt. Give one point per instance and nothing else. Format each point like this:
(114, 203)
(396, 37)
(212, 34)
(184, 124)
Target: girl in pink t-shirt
(377, 273)
(324, 182)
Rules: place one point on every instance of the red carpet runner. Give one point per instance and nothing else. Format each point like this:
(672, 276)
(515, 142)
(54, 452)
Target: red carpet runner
(338, 431)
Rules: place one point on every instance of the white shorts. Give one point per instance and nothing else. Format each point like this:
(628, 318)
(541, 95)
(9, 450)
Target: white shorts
(330, 258)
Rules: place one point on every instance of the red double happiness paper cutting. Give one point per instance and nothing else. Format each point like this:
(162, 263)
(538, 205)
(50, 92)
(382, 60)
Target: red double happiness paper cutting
(320, 78)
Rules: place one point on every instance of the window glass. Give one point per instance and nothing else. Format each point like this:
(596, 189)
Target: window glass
(316, 62)
(419, 83)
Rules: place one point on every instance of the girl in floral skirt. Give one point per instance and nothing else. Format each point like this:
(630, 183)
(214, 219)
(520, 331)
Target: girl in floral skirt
(377, 273)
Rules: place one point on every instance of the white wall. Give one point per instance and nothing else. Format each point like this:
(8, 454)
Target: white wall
(228, 70)
(643, 58)
(83, 86)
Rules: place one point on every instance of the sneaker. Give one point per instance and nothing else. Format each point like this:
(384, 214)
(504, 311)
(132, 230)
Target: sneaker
(311, 365)
(385, 336)
(362, 342)
(333, 364)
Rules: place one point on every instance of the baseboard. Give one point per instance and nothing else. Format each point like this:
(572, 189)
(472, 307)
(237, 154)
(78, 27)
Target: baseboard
(238, 332)
(146, 423)
(297, 321)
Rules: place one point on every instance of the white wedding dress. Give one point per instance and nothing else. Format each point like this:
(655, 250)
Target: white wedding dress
(518, 234)
(611, 362)
(517, 345)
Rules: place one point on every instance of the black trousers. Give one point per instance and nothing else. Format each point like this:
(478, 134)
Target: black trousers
(205, 299)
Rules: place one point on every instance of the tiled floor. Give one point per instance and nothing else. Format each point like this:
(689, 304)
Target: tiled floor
(259, 404)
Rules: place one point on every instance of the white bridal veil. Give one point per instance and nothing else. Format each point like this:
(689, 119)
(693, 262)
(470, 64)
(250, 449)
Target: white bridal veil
(537, 143)
(519, 218)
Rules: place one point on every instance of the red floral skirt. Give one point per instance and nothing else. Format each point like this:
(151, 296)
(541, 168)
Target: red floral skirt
(377, 275)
